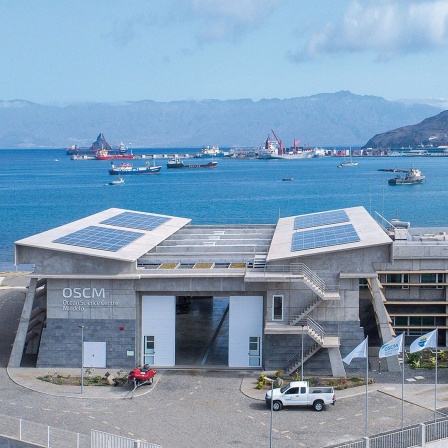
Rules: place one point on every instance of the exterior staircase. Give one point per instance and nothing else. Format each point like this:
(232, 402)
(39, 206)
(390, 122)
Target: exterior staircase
(293, 320)
(259, 270)
(296, 361)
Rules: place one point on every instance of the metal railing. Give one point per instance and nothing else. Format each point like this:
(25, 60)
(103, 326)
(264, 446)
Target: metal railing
(51, 437)
(41, 435)
(297, 269)
(101, 439)
(297, 357)
(411, 436)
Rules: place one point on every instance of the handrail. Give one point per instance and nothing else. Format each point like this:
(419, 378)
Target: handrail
(313, 325)
(298, 269)
(307, 349)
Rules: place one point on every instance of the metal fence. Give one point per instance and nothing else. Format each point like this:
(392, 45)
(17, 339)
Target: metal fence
(42, 435)
(50, 437)
(412, 436)
(106, 440)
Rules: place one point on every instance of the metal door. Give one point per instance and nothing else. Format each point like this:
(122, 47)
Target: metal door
(94, 354)
(159, 326)
(254, 351)
(149, 353)
(245, 331)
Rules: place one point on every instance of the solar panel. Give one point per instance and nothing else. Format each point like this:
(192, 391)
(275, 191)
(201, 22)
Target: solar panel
(321, 219)
(323, 237)
(100, 238)
(136, 221)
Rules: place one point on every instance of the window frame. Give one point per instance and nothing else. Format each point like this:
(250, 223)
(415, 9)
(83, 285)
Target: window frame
(274, 308)
(437, 278)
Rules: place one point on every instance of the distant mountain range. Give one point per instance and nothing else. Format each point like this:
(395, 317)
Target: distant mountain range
(327, 119)
(432, 131)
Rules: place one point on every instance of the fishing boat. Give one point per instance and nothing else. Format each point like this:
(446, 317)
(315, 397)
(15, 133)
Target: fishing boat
(175, 162)
(118, 181)
(128, 168)
(412, 177)
(287, 179)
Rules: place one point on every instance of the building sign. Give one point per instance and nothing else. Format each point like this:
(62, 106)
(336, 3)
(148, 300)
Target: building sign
(77, 299)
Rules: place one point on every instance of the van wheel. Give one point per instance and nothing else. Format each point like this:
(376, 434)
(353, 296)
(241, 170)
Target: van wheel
(318, 405)
(277, 405)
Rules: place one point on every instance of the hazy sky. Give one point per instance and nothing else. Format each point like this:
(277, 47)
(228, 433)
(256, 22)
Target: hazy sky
(166, 50)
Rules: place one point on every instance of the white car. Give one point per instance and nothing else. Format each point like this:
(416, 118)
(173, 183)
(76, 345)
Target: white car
(298, 393)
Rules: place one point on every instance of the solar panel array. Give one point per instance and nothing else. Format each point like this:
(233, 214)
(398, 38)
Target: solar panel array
(324, 236)
(136, 221)
(321, 219)
(100, 238)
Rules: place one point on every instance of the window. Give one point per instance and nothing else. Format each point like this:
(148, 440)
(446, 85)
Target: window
(415, 322)
(293, 391)
(254, 351)
(277, 308)
(400, 279)
(363, 283)
(431, 278)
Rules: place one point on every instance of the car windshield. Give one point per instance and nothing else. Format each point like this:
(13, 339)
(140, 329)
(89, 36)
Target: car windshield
(284, 389)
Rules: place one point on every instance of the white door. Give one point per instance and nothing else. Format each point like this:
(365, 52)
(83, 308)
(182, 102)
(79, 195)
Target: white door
(254, 351)
(158, 330)
(245, 331)
(149, 350)
(94, 354)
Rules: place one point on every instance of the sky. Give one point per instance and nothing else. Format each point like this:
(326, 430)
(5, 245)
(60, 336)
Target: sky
(60, 51)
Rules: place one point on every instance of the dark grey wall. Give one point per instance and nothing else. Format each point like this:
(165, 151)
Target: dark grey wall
(61, 342)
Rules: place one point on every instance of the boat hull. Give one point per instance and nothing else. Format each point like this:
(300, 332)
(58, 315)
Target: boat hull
(117, 171)
(402, 181)
(413, 177)
(182, 165)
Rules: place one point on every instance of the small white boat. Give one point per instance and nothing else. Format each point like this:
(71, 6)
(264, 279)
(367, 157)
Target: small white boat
(348, 163)
(118, 181)
(344, 164)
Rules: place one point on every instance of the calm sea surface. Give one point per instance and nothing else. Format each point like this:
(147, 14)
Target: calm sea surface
(42, 189)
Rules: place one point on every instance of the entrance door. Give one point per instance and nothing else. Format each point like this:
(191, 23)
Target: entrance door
(245, 331)
(158, 330)
(149, 350)
(254, 351)
(94, 354)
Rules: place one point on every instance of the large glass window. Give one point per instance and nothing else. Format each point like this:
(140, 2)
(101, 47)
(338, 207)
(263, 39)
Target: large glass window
(415, 323)
(277, 308)
(400, 279)
(431, 278)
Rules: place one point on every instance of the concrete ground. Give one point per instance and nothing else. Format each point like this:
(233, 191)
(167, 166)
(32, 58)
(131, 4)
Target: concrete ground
(205, 407)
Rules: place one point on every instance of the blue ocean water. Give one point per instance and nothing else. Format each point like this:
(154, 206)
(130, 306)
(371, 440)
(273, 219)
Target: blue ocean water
(42, 189)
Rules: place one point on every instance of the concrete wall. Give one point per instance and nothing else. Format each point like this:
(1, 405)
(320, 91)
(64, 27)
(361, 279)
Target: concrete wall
(90, 299)
(55, 262)
(61, 342)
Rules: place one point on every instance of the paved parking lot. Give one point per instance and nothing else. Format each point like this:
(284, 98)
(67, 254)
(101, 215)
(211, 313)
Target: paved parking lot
(204, 408)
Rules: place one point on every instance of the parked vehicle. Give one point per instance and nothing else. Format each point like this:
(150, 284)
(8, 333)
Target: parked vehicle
(298, 393)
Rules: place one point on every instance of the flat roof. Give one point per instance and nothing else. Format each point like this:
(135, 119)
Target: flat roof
(144, 239)
(369, 233)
